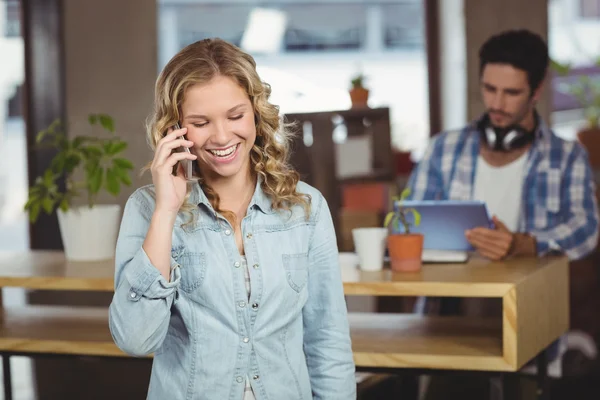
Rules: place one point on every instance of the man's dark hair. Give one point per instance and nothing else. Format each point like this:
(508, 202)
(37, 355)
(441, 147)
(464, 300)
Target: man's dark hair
(522, 49)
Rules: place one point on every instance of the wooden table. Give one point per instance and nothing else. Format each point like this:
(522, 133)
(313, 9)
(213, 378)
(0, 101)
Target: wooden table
(534, 295)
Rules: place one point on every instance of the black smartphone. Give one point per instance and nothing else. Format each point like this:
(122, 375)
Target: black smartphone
(187, 164)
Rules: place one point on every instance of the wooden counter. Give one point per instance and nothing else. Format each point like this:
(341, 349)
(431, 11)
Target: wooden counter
(534, 295)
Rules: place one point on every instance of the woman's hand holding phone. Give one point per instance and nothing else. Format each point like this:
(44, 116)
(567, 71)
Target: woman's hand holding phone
(170, 189)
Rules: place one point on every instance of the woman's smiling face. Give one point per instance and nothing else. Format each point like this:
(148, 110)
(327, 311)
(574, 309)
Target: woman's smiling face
(219, 118)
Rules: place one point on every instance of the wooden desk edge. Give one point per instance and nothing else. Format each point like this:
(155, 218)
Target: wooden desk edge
(535, 313)
(58, 283)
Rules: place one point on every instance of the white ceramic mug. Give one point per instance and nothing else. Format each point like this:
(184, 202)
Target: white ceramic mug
(369, 244)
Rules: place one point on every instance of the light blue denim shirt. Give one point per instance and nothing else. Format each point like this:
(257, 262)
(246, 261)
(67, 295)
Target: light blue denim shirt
(291, 338)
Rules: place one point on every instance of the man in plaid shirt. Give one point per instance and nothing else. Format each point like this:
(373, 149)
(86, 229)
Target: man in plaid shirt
(539, 188)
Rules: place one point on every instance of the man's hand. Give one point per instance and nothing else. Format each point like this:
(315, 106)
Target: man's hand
(499, 243)
(494, 244)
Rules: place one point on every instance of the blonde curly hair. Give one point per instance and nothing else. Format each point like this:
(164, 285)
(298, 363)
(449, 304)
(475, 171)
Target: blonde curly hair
(199, 63)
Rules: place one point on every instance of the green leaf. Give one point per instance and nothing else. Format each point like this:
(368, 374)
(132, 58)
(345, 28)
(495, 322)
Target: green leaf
(72, 161)
(29, 202)
(40, 136)
(123, 163)
(388, 218)
(48, 177)
(78, 141)
(416, 214)
(95, 180)
(107, 122)
(93, 119)
(92, 151)
(112, 182)
(34, 191)
(34, 212)
(47, 204)
(58, 162)
(405, 193)
(64, 204)
(125, 179)
(116, 147)
(123, 175)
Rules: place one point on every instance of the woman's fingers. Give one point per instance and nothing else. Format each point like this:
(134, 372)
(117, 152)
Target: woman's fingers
(168, 148)
(172, 134)
(176, 157)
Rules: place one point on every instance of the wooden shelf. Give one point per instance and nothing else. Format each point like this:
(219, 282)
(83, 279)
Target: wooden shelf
(57, 330)
(379, 340)
(50, 270)
(412, 341)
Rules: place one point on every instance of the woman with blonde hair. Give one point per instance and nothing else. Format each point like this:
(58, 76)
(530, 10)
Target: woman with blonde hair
(230, 277)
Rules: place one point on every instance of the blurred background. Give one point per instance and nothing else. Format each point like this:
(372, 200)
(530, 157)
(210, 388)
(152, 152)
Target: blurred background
(68, 58)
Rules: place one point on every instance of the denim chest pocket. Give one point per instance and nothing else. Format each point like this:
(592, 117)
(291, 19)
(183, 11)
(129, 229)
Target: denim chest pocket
(193, 270)
(296, 270)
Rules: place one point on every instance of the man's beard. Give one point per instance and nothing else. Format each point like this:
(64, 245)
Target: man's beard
(514, 119)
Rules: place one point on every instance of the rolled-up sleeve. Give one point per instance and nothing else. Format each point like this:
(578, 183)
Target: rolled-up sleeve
(140, 310)
(327, 342)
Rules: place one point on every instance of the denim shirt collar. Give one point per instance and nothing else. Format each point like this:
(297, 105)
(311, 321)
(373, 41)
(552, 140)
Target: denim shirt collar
(259, 198)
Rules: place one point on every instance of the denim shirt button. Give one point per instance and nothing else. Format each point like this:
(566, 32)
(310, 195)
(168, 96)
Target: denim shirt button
(132, 295)
(236, 264)
(245, 340)
(227, 232)
(242, 304)
(255, 306)
(255, 266)
(239, 379)
(249, 236)
(255, 377)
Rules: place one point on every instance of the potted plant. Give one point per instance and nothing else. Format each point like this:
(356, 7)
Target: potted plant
(405, 248)
(88, 164)
(587, 92)
(359, 95)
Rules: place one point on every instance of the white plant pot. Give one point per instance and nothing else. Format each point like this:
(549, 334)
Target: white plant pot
(90, 234)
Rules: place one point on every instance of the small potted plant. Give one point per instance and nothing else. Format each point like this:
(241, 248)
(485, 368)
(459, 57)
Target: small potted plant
(405, 248)
(88, 164)
(359, 95)
(586, 91)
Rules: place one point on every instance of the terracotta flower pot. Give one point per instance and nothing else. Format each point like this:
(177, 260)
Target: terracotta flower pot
(405, 251)
(590, 139)
(359, 97)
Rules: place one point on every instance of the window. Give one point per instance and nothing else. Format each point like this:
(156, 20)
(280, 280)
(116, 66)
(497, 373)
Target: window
(14, 226)
(309, 51)
(573, 38)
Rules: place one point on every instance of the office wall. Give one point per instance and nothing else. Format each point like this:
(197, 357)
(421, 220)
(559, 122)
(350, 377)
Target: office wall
(111, 67)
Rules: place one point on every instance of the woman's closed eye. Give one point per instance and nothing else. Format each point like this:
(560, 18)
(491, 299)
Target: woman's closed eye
(203, 124)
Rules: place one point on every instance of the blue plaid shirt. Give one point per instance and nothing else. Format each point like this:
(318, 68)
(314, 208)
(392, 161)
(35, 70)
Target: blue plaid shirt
(558, 206)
